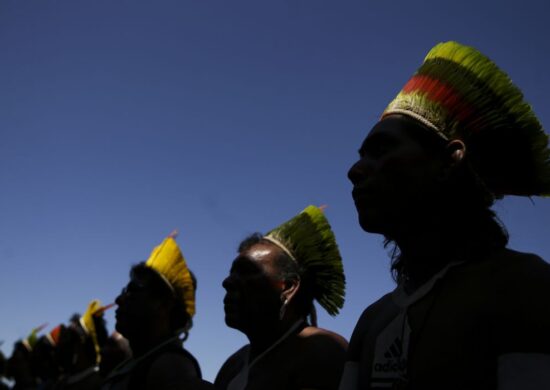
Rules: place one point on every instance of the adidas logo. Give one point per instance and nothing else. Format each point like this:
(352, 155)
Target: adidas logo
(395, 362)
(395, 350)
(391, 366)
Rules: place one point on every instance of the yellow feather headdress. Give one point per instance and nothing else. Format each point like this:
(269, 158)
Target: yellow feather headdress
(170, 264)
(87, 323)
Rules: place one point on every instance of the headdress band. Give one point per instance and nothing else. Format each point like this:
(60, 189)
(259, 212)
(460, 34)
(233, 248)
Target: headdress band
(459, 93)
(314, 248)
(281, 246)
(418, 117)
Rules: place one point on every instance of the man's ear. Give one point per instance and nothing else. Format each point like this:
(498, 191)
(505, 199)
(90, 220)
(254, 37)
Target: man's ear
(166, 305)
(456, 150)
(291, 288)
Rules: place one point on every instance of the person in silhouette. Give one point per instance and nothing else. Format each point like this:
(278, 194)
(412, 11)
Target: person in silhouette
(115, 350)
(154, 309)
(467, 313)
(269, 297)
(43, 359)
(78, 349)
(3, 386)
(19, 365)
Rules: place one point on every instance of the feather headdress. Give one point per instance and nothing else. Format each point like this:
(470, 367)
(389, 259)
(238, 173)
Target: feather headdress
(170, 264)
(308, 239)
(87, 323)
(53, 335)
(30, 341)
(461, 94)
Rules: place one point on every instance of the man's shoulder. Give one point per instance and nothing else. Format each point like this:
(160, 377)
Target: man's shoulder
(373, 318)
(173, 368)
(317, 358)
(316, 340)
(383, 304)
(174, 360)
(382, 308)
(519, 288)
(310, 333)
(238, 357)
(518, 272)
(514, 261)
(231, 367)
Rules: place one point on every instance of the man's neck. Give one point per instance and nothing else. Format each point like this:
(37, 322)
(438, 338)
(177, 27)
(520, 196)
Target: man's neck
(143, 344)
(268, 335)
(82, 363)
(426, 251)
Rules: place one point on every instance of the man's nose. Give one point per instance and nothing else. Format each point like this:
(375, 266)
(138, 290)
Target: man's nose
(357, 172)
(120, 298)
(226, 283)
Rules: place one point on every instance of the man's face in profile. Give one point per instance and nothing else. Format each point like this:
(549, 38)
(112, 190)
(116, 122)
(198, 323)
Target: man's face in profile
(393, 175)
(253, 288)
(136, 307)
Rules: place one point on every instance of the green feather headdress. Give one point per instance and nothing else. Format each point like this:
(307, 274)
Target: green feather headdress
(461, 94)
(308, 239)
(30, 341)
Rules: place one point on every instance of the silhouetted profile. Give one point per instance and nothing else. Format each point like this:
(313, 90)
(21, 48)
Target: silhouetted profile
(115, 350)
(19, 367)
(44, 364)
(269, 296)
(3, 386)
(467, 313)
(154, 309)
(78, 349)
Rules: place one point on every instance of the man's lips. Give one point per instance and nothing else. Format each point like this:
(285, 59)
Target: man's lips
(230, 303)
(359, 194)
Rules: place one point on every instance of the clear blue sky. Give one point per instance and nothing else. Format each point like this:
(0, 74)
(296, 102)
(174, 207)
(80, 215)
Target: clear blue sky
(121, 120)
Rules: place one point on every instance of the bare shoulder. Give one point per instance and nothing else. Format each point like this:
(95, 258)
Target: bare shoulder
(322, 338)
(320, 361)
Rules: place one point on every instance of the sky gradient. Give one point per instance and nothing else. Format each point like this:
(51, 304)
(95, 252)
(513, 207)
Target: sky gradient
(123, 120)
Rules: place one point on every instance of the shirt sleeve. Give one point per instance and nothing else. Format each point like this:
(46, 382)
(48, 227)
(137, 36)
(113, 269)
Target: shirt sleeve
(522, 324)
(522, 320)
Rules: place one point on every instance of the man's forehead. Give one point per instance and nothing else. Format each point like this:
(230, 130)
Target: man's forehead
(379, 132)
(395, 126)
(139, 279)
(258, 254)
(392, 124)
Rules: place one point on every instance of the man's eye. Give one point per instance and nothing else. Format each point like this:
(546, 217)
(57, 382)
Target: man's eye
(244, 270)
(133, 288)
(381, 148)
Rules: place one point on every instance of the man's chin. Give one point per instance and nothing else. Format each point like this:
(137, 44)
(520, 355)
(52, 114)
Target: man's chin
(370, 224)
(232, 322)
(120, 328)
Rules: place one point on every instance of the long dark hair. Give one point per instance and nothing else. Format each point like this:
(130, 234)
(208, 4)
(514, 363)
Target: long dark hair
(466, 202)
